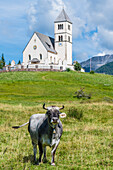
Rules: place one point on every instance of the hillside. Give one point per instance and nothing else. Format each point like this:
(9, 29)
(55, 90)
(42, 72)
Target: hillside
(107, 69)
(87, 140)
(30, 88)
(96, 62)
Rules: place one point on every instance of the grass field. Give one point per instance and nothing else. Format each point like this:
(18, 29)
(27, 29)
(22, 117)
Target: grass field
(85, 144)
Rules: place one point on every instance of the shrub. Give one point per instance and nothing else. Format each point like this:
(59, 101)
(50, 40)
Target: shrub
(80, 94)
(92, 72)
(77, 66)
(73, 112)
(68, 69)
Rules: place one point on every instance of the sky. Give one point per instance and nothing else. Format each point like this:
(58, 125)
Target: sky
(92, 25)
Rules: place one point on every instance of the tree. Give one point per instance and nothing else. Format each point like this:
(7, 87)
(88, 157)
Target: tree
(3, 60)
(1, 64)
(77, 66)
(9, 63)
(19, 62)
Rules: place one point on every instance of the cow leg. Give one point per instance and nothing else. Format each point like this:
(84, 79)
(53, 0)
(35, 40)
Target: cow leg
(35, 151)
(44, 158)
(40, 151)
(53, 152)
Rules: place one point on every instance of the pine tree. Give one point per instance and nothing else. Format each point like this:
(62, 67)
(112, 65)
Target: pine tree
(19, 62)
(1, 64)
(3, 60)
(9, 63)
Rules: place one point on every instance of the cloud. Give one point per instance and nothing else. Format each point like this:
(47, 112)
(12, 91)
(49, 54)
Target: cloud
(41, 15)
(92, 23)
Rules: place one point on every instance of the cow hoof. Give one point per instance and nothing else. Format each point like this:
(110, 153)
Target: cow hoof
(44, 160)
(53, 164)
(36, 163)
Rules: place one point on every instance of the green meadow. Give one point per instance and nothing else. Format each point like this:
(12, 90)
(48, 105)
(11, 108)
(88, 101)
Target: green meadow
(87, 141)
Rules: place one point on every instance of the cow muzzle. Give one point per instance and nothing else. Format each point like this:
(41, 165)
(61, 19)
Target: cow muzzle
(54, 120)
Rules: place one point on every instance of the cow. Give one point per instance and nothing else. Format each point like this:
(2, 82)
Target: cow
(45, 130)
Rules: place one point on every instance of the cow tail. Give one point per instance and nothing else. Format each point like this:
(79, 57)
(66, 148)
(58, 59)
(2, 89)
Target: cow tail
(16, 127)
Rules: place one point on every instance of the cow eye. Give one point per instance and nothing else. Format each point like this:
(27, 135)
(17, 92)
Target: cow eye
(49, 113)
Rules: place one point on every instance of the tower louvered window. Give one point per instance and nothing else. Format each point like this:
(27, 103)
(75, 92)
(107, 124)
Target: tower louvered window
(60, 26)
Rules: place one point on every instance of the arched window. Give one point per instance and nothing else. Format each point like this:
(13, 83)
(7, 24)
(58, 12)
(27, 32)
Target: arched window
(40, 56)
(29, 57)
(69, 38)
(60, 26)
(61, 38)
(54, 60)
(51, 59)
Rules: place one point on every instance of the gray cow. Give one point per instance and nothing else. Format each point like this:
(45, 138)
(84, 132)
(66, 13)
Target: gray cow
(45, 130)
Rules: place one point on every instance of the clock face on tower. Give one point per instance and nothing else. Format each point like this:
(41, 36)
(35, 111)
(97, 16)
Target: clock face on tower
(60, 44)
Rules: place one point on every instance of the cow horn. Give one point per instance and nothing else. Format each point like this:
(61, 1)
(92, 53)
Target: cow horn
(61, 107)
(44, 107)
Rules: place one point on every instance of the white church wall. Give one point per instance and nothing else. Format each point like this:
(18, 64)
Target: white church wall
(64, 47)
(34, 49)
(69, 53)
(52, 58)
(60, 48)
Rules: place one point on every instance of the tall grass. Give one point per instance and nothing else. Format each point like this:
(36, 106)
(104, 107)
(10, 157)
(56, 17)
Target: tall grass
(86, 143)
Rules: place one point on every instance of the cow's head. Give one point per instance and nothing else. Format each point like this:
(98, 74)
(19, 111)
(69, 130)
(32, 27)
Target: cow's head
(53, 114)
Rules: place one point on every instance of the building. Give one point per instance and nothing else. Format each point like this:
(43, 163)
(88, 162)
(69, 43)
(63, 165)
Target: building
(45, 52)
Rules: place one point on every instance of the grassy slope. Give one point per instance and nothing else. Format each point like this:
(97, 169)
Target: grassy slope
(30, 88)
(85, 144)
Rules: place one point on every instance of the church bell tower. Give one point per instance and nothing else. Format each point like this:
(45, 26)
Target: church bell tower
(63, 38)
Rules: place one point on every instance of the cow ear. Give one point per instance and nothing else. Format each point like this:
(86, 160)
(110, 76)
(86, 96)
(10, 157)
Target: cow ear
(62, 115)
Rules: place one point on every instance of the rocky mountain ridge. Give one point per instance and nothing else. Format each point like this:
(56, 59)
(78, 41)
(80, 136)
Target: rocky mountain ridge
(96, 62)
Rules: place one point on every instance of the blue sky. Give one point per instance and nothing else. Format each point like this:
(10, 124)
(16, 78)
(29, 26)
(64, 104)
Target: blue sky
(92, 25)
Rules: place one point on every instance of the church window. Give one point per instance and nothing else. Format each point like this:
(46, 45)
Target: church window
(34, 47)
(40, 56)
(48, 45)
(68, 27)
(69, 38)
(60, 26)
(61, 38)
(51, 59)
(54, 60)
(34, 40)
(29, 57)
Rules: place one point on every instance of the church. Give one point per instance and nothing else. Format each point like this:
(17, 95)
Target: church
(44, 52)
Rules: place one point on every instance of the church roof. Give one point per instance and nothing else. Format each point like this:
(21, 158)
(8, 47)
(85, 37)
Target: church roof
(63, 17)
(48, 42)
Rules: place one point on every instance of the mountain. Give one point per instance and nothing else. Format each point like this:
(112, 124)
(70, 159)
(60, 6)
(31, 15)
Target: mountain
(107, 69)
(96, 62)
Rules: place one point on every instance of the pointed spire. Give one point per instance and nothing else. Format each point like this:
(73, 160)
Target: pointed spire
(63, 17)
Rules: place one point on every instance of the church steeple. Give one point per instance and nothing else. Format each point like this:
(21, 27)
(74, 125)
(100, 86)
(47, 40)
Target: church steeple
(63, 17)
(63, 37)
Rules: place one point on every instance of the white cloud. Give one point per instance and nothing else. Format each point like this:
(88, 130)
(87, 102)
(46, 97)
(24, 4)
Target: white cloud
(92, 22)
